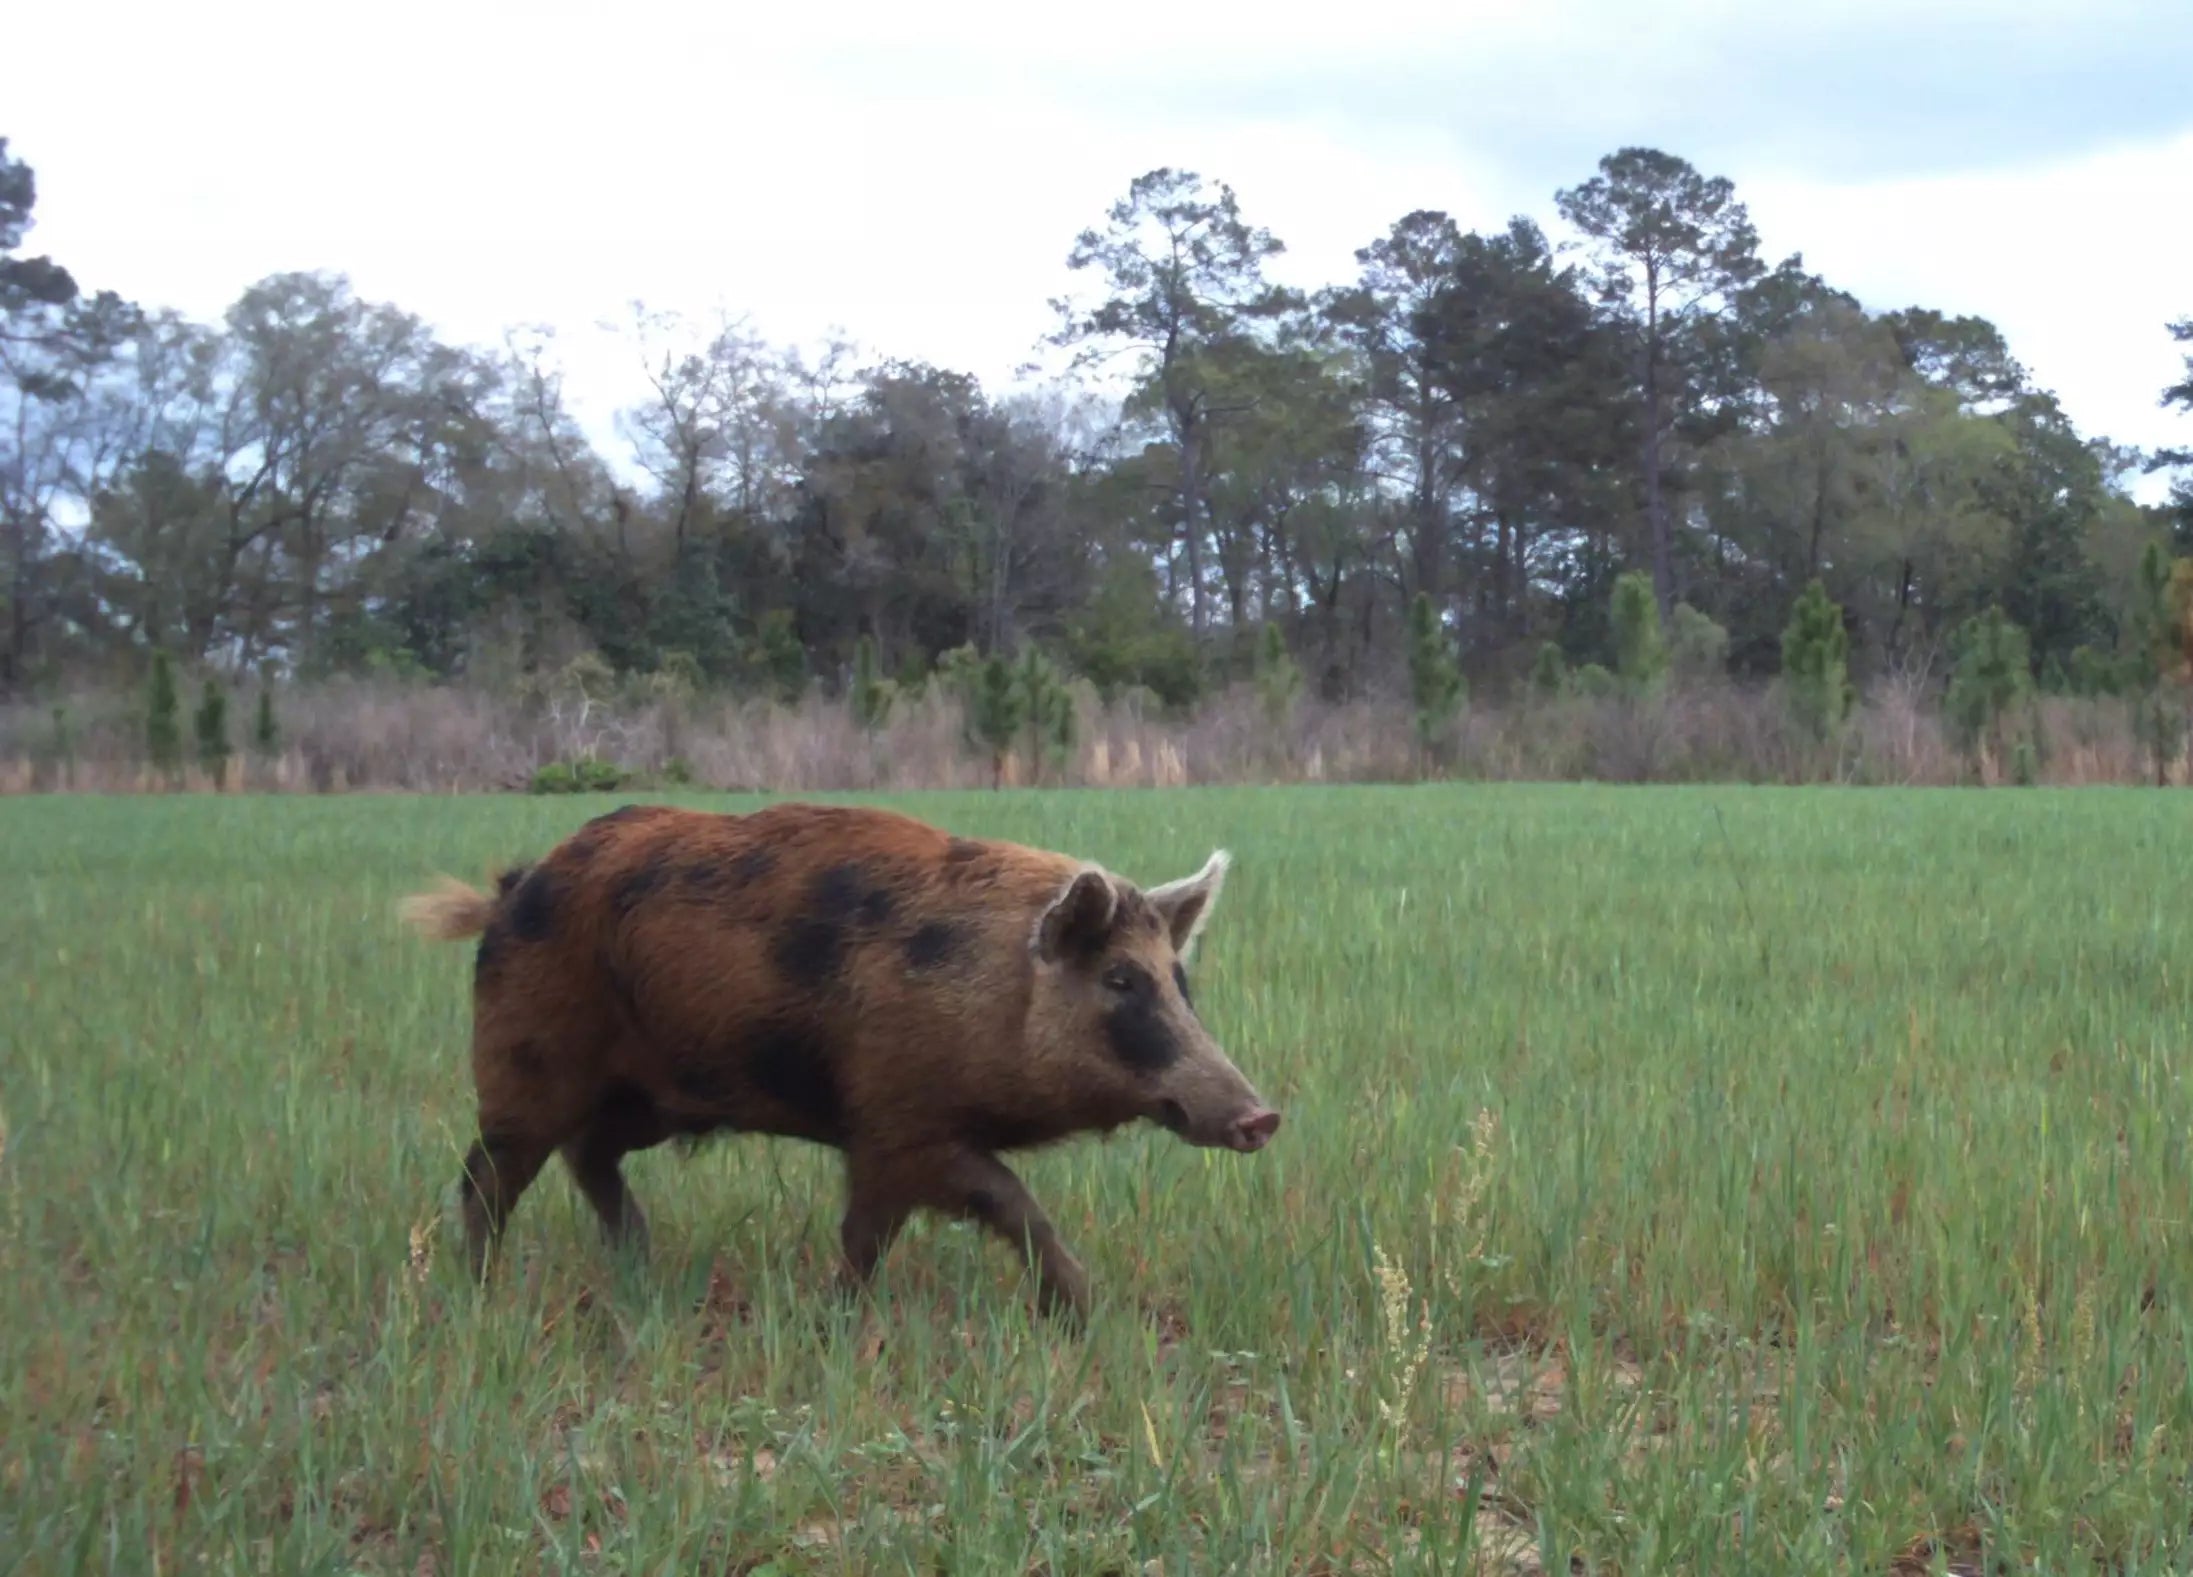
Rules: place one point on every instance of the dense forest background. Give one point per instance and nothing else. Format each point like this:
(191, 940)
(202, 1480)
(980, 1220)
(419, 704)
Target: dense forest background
(1648, 503)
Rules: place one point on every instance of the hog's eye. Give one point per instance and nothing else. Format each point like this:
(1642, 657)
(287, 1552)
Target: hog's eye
(1121, 979)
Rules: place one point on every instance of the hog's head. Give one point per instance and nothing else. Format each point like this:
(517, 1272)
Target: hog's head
(1111, 1008)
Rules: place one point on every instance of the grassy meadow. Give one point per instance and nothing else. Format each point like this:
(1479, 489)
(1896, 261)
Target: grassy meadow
(1673, 1180)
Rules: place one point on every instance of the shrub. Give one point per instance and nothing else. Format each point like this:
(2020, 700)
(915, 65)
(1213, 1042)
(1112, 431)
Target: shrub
(1597, 681)
(1698, 648)
(586, 775)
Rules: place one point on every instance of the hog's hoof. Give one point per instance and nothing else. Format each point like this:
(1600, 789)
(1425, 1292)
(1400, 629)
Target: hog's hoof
(1068, 1310)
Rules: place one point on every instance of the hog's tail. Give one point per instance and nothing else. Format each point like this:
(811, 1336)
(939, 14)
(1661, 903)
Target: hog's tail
(447, 912)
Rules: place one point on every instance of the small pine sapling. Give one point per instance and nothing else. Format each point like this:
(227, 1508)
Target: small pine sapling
(210, 724)
(1047, 710)
(1436, 685)
(870, 695)
(2156, 667)
(995, 713)
(266, 735)
(1816, 664)
(64, 747)
(163, 724)
(1991, 670)
(1549, 671)
(1640, 653)
(1278, 677)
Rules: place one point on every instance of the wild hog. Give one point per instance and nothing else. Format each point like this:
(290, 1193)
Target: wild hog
(853, 977)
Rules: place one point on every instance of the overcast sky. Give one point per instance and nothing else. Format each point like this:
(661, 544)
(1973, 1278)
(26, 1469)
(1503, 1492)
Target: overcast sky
(916, 174)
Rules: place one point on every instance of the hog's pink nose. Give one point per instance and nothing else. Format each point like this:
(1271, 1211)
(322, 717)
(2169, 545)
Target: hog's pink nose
(1251, 1132)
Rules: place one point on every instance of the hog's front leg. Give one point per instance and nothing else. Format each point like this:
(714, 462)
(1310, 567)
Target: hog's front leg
(989, 1192)
(884, 1189)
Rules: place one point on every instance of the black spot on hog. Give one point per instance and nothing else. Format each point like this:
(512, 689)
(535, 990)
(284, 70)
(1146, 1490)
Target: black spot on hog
(1135, 1023)
(808, 951)
(932, 944)
(1180, 984)
(582, 846)
(628, 1119)
(705, 1082)
(751, 865)
(620, 991)
(847, 892)
(704, 880)
(637, 884)
(790, 1064)
(970, 864)
(509, 879)
(622, 814)
(533, 907)
(994, 1132)
(811, 948)
(490, 952)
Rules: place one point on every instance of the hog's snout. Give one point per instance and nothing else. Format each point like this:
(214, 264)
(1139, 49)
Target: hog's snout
(1245, 1129)
(1255, 1130)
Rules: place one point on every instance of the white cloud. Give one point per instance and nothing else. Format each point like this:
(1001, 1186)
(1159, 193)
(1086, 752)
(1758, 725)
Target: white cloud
(918, 177)
(2077, 262)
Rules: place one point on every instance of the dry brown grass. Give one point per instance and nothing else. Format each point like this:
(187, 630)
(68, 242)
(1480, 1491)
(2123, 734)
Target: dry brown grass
(359, 735)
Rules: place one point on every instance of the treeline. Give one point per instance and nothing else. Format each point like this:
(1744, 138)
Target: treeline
(1455, 456)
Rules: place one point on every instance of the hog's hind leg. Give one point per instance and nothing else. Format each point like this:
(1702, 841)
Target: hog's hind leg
(624, 1121)
(498, 1169)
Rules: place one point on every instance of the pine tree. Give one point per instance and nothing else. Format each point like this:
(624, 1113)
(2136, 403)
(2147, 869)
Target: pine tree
(1816, 664)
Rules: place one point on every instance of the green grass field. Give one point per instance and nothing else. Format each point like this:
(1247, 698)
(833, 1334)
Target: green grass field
(1673, 1180)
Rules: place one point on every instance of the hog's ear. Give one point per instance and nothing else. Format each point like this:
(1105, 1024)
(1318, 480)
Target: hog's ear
(1079, 921)
(1185, 905)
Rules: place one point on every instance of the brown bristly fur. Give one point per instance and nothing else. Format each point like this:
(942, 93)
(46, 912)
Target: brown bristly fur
(850, 977)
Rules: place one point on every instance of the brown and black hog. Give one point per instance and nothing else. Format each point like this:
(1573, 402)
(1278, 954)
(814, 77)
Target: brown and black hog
(852, 977)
